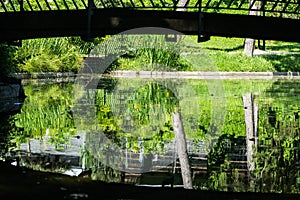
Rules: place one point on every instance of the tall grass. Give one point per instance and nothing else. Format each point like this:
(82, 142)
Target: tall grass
(47, 55)
(154, 53)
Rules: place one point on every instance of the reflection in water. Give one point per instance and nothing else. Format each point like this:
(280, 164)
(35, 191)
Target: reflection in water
(136, 118)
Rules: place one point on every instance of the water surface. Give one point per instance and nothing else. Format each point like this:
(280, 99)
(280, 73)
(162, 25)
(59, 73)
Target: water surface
(120, 130)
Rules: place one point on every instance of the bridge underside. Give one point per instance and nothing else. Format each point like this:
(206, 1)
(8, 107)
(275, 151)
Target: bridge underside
(26, 25)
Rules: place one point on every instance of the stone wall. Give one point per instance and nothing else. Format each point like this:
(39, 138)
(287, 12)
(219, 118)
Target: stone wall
(11, 95)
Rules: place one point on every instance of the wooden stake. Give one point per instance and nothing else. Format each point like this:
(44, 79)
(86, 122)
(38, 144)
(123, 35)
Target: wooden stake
(250, 112)
(182, 151)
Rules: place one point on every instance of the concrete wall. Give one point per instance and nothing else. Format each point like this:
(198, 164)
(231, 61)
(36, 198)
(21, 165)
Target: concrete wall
(8, 91)
(11, 97)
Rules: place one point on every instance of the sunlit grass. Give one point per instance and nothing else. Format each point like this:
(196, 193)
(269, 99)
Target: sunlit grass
(282, 46)
(227, 55)
(223, 44)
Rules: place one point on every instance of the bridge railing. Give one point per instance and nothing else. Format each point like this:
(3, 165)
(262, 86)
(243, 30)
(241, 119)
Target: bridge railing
(277, 8)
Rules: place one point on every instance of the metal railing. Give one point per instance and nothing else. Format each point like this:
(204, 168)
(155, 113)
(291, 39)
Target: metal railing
(264, 7)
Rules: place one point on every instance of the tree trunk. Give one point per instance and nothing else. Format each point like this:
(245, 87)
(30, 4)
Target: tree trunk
(251, 115)
(249, 45)
(182, 151)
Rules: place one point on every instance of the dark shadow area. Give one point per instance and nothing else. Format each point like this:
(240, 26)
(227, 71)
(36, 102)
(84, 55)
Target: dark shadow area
(22, 183)
(228, 147)
(286, 87)
(11, 100)
(226, 49)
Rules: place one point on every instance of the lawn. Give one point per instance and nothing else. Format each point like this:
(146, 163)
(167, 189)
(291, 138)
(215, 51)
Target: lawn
(227, 53)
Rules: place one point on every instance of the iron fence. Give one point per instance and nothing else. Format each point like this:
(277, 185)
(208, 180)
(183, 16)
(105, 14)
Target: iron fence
(263, 7)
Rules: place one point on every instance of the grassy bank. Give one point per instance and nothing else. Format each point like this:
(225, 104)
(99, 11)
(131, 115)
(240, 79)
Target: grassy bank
(44, 55)
(227, 54)
(224, 54)
(217, 54)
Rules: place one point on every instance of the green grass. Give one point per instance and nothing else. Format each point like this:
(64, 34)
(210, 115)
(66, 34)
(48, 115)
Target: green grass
(219, 54)
(223, 44)
(222, 61)
(284, 63)
(227, 55)
(283, 46)
(240, 62)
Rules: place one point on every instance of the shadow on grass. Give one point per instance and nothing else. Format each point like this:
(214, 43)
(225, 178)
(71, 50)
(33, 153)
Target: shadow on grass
(293, 47)
(240, 47)
(284, 63)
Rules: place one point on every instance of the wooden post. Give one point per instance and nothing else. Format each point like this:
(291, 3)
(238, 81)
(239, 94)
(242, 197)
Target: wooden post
(249, 45)
(28, 148)
(251, 118)
(182, 150)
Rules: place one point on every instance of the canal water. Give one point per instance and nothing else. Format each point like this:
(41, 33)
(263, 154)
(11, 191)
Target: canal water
(120, 130)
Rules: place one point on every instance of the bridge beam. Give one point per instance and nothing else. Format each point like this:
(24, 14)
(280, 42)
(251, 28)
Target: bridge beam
(26, 25)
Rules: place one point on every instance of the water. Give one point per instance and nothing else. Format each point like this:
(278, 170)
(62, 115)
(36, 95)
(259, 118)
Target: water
(120, 130)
